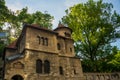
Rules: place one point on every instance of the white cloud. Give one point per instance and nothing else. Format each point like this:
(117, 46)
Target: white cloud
(14, 6)
(55, 23)
(17, 5)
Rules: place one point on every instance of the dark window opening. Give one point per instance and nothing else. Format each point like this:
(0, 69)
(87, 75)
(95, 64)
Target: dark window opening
(42, 40)
(61, 70)
(39, 39)
(67, 34)
(58, 46)
(46, 41)
(75, 71)
(39, 66)
(46, 66)
(17, 77)
(70, 49)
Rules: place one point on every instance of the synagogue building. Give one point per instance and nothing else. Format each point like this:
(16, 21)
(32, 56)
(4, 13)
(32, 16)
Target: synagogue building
(42, 54)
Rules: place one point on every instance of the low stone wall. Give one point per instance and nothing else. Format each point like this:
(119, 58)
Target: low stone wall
(102, 76)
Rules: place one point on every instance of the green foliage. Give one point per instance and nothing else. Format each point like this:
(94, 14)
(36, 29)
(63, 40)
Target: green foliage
(15, 21)
(3, 16)
(2, 46)
(115, 62)
(94, 28)
(3, 13)
(18, 18)
(42, 19)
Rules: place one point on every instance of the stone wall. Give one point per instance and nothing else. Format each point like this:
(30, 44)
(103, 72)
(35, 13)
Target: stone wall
(35, 44)
(26, 67)
(102, 76)
(43, 54)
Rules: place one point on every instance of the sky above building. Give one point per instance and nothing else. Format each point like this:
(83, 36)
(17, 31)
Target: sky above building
(55, 8)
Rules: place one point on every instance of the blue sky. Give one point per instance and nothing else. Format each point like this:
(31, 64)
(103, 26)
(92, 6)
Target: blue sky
(54, 7)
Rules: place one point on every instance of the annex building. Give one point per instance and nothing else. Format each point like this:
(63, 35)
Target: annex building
(42, 54)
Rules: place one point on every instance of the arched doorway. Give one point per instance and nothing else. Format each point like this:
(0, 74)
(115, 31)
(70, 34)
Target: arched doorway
(17, 77)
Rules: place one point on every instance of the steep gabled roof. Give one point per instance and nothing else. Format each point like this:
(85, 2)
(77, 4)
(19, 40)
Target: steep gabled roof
(61, 26)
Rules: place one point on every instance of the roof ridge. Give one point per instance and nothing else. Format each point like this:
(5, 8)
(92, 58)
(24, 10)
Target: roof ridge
(13, 44)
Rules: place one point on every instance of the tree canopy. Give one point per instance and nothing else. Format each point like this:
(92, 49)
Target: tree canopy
(15, 19)
(3, 12)
(95, 26)
(18, 18)
(12, 22)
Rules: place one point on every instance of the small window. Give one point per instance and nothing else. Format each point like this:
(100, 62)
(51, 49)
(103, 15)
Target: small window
(58, 46)
(46, 41)
(46, 66)
(38, 66)
(75, 71)
(42, 40)
(67, 34)
(70, 49)
(39, 39)
(61, 70)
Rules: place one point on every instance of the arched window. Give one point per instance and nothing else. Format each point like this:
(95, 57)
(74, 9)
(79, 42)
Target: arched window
(75, 71)
(39, 66)
(67, 34)
(46, 41)
(46, 66)
(42, 40)
(58, 46)
(61, 70)
(39, 39)
(70, 49)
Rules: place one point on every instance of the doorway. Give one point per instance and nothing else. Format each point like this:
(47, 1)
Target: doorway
(17, 77)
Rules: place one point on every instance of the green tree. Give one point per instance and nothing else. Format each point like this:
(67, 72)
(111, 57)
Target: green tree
(115, 61)
(3, 18)
(95, 26)
(12, 22)
(43, 19)
(18, 18)
(2, 45)
(3, 13)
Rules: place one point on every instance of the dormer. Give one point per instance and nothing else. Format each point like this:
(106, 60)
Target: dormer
(63, 31)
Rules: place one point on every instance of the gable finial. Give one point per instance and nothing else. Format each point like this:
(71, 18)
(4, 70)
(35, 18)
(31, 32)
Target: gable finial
(60, 24)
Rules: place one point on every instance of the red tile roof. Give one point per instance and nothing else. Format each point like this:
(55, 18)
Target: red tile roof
(12, 45)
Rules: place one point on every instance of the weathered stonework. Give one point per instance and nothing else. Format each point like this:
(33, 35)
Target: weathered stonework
(36, 43)
(102, 76)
